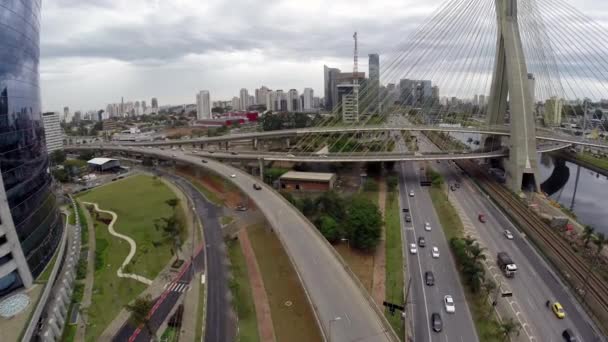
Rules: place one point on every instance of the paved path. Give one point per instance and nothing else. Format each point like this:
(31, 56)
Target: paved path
(131, 242)
(89, 279)
(260, 299)
(379, 279)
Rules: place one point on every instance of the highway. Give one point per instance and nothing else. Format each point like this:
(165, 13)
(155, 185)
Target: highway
(424, 299)
(500, 130)
(331, 290)
(535, 282)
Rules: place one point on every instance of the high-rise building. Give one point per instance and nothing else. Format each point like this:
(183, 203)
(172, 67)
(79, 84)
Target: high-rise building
(532, 86)
(137, 109)
(251, 100)
(373, 92)
(154, 104)
(316, 102)
(144, 107)
(236, 103)
(260, 95)
(244, 95)
(331, 87)
(52, 131)
(482, 100)
(281, 101)
(308, 99)
(203, 105)
(553, 111)
(348, 102)
(30, 225)
(66, 114)
(406, 91)
(271, 98)
(293, 101)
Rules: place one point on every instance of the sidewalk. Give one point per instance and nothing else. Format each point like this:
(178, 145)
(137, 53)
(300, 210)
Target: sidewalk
(191, 306)
(88, 281)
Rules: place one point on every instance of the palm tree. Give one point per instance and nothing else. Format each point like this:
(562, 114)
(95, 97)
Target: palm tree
(587, 235)
(139, 310)
(508, 327)
(476, 253)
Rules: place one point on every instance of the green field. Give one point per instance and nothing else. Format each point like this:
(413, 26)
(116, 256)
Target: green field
(138, 201)
(394, 261)
(242, 299)
(589, 158)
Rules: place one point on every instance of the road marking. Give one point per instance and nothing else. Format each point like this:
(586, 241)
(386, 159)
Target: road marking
(177, 287)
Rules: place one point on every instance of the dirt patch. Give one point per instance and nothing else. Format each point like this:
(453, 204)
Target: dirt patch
(361, 263)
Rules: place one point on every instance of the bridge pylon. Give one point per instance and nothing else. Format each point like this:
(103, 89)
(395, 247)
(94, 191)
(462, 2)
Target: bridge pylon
(510, 83)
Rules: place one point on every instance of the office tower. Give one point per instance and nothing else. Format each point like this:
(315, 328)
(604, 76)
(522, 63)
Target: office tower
(482, 100)
(244, 99)
(203, 105)
(66, 114)
(435, 94)
(260, 95)
(316, 102)
(144, 107)
(350, 107)
(331, 87)
(236, 103)
(154, 104)
(553, 111)
(293, 104)
(30, 225)
(271, 98)
(406, 89)
(308, 98)
(52, 131)
(251, 100)
(374, 83)
(424, 93)
(281, 101)
(137, 108)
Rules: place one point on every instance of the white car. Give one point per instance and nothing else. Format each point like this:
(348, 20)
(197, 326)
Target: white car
(411, 193)
(427, 226)
(449, 304)
(508, 234)
(435, 252)
(233, 176)
(413, 248)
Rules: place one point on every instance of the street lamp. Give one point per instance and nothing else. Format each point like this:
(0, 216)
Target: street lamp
(337, 318)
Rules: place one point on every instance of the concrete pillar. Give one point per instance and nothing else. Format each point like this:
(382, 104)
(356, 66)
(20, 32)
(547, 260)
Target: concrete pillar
(510, 80)
(287, 143)
(255, 144)
(261, 165)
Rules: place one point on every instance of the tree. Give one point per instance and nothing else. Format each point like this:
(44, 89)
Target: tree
(587, 235)
(308, 207)
(329, 228)
(86, 155)
(391, 183)
(370, 185)
(171, 228)
(58, 157)
(364, 223)
(509, 327)
(173, 202)
(61, 175)
(330, 203)
(600, 241)
(139, 310)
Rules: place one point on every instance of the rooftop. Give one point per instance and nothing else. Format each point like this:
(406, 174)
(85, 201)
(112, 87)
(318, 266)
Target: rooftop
(100, 161)
(317, 176)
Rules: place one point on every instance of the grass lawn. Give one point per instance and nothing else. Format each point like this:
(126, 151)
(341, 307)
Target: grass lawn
(84, 231)
(295, 322)
(486, 325)
(361, 263)
(241, 292)
(589, 158)
(227, 220)
(138, 201)
(394, 261)
(170, 335)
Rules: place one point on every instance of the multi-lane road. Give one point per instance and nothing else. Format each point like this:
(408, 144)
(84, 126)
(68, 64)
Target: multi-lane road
(425, 300)
(535, 282)
(331, 290)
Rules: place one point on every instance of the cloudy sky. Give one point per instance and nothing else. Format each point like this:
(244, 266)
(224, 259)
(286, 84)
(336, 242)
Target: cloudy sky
(95, 51)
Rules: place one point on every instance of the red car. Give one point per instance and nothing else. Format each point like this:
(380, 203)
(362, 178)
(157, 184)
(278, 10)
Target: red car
(482, 218)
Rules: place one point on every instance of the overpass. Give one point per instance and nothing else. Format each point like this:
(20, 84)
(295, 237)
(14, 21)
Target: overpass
(331, 287)
(497, 130)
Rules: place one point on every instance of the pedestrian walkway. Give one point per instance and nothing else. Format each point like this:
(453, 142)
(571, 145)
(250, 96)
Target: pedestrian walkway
(260, 299)
(180, 287)
(89, 279)
(132, 244)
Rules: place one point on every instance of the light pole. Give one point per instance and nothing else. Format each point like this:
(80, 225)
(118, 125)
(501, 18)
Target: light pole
(337, 318)
(347, 244)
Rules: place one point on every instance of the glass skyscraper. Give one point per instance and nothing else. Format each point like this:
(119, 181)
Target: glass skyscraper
(30, 225)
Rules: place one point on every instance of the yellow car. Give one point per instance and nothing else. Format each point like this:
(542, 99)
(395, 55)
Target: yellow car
(558, 310)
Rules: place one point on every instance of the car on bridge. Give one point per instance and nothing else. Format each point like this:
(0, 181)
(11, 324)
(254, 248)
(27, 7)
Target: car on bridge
(569, 336)
(558, 310)
(450, 307)
(411, 193)
(481, 218)
(436, 322)
(421, 242)
(508, 234)
(257, 186)
(408, 218)
(429, 278)
(435, 252)
(427, 226)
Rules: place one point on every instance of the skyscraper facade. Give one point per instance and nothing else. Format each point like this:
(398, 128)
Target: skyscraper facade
(244, 102)
(307, 102)
(30, 226)
(293, 102)
(374, 83)
(52, 131)
(331, 87)
(154, 104)
(203, 105)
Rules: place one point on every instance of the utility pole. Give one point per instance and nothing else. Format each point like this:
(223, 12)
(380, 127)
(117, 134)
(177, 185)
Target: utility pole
(355, 76)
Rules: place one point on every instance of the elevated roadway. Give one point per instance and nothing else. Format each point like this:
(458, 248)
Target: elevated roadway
(499, 130)
(332, 289)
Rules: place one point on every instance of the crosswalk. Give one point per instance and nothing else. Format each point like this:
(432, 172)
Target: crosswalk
(177, 287)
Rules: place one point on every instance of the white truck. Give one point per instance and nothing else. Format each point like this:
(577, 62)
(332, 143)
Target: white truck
(506, 265)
